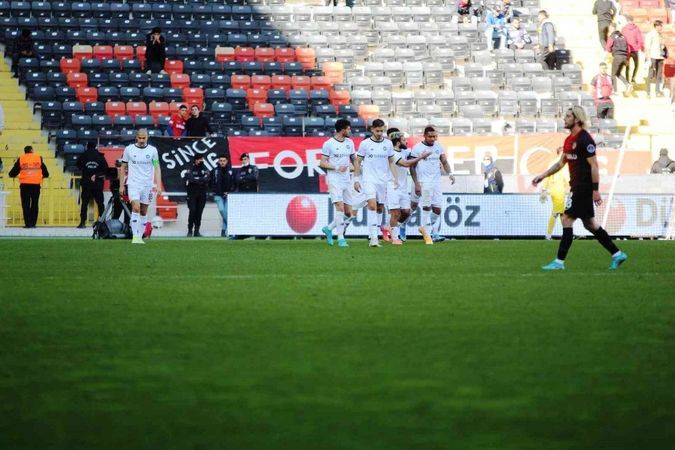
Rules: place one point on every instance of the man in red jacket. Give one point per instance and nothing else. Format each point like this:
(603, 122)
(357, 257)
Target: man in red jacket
(176, 127)
(636, 44)
(601, 86)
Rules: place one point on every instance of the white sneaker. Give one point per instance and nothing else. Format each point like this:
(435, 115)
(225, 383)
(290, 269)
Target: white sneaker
(137, 240)
(548, 237)
(374, 243)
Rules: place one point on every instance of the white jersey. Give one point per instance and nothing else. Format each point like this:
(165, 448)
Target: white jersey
(428, 170)
(376, 160)
(141, 164)
(401, 172)
(339, 153)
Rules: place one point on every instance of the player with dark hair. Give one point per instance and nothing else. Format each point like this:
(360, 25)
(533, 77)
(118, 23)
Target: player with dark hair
(375, 159)
(579, 155)
(337, 155)
(429, 176)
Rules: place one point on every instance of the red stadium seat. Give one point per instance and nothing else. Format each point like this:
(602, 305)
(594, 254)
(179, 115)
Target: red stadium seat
(137, 109)
(369, 112)
(77, 80)
(224, 54)
(244, 54)
(261, 82)
(82, 51)
(194, 96)
(651, 4)
(321, 83)
(103, 52)
(300, 82)
(240, 81)
(180, 80)
(172, 66)
(284, 54)
(115, 109)
(263, 110)
(264, 54)
(140, 54)
(87, 94)
(334, 71)
(69, 65)
(338, 98)
(307, 57)
(158, 109)
(124, 52)
(255, 96)
(282, 82)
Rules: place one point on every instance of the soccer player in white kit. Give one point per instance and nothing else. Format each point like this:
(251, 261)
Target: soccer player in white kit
(141, 161)
(398, 198)
(337, 155)
(429, 176)
(375, 159)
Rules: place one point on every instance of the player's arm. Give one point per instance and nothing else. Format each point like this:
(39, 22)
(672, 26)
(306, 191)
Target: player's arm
(158, 176)
(446, 167)
(392, 169)
(324, 164)
(122, 175)
(416, 184)
(357, 172)
(551, 170)
(595, 178)
(411, 162)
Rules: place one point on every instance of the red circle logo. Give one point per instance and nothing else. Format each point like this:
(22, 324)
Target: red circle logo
(301, 214)
(617, 216)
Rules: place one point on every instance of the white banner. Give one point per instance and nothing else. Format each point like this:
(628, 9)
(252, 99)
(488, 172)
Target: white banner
(463, 215)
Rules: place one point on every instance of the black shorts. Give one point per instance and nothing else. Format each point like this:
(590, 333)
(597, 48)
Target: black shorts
(579, 204)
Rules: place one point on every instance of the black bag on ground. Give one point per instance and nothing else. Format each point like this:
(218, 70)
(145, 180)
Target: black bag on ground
(108, 228)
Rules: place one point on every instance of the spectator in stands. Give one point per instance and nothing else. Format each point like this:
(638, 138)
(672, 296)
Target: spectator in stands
(94, 167)
(507, 10)
(176, 126)
(31, 170)
(493, 182)
(155, 51)
(247, 175)
(546, 45)
(605, 11)
(24, 47)
(223, 181)
(635, 46)
(464, 7)
(348, 3)
(198, 124)
(517, 37)
(656, 52)
(664, 164)
(602, 90)
(495, 28)
(618, 47)
(197, 180)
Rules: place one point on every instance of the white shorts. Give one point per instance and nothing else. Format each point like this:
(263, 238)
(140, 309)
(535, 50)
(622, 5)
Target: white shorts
(431, 195)
(375, 191)
(397, 198)
(340, 191)
(142, 194)
(359, 199)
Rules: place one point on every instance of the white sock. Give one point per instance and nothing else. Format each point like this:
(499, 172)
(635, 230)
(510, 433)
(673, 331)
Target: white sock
(379, 219)
(395, 232)
(616, 254)
(426, 219)
(143, 222)
(373, 224)
(387, 217)
(559, 261)
(333, 224)
(134, 223)
(436, 223)
(339, 224)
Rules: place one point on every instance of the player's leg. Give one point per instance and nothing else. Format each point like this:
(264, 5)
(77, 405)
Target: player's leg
(146, 199)
(370, 192)
(346, 213)
(381, 194)
(135, 199)
(618, 257)
(394, 209)
(436, 213)
(425, 203)
(565, 243)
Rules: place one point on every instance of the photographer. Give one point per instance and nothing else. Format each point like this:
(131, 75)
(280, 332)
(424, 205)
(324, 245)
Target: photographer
(247, 175)
(197, 180)
(155, 51)
(93, 165)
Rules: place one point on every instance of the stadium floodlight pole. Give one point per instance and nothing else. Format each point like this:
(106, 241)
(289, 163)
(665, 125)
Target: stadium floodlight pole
(617, 171)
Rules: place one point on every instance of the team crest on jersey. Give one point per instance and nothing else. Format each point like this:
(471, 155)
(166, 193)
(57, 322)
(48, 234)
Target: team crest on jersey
(590, 148)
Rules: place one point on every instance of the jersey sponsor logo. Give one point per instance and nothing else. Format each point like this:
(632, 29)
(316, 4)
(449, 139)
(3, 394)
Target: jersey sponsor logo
(590, 149)
(571, 156)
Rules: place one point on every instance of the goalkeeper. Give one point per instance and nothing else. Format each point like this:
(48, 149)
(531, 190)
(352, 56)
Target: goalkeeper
(556, 186)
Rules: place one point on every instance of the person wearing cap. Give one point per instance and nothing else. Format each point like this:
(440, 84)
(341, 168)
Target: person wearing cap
(197, 125)
(664, 164)
(93, 166)
(176, 126)
(247, 175)
(31, 170)
(155, 51)
(197, 180)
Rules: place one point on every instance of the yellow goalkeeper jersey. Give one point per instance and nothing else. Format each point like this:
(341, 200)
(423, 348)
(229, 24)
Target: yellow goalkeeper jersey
(558, 183)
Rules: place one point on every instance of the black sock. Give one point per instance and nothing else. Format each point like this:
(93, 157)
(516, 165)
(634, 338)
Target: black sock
(606, 241)
(565, 243)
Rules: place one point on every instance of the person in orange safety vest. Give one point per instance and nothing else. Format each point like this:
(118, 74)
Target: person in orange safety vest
(31, 170)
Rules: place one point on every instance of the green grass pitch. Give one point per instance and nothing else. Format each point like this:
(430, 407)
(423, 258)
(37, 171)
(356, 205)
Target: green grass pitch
(210, 344)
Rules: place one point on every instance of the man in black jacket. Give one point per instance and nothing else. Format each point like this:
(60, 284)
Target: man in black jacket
(24, 47)
(618, 46)
(605, 10)
(197, 178)
(155, 51)
(93, 165)
(197, 125)
(223, 182)
(247, 175)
